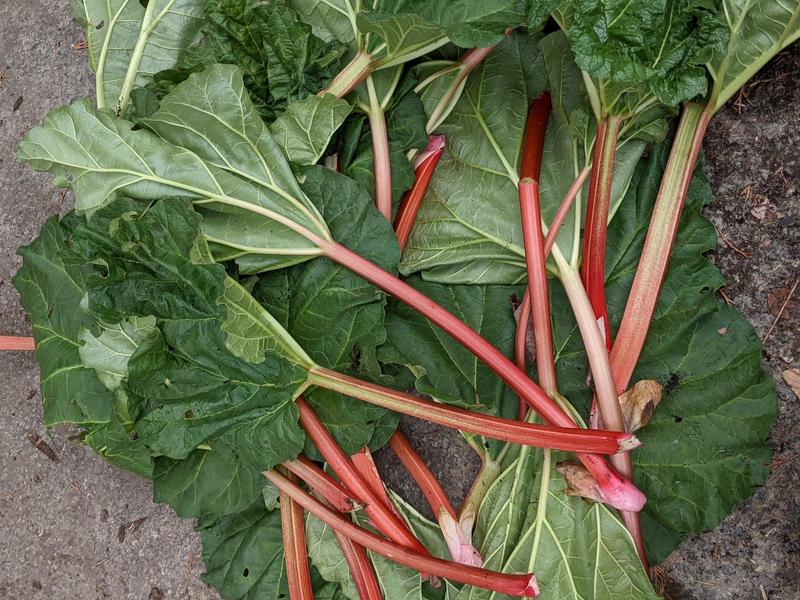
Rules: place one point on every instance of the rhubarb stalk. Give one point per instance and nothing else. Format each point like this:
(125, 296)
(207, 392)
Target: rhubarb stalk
(10, 342)
(380, 152)
(513, 585)
(298, 574)
(593, 264)
(322, 483)
(364, 579)
(569, 439)
(381, 517)
(424, 166)
(349, 78)
(661, 234)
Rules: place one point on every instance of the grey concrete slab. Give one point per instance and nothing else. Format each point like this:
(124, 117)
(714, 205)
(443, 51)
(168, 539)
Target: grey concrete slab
(60, 521)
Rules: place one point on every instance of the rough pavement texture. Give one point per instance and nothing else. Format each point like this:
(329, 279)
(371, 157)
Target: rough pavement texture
(61, 522)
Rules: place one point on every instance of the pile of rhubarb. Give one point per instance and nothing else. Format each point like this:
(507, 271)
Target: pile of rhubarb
(295, 221)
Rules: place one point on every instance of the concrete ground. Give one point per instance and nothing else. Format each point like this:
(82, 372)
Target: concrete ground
(80, 529)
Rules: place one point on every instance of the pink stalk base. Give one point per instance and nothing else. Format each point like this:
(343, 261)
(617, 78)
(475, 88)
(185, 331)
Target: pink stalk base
(10, 342)
(500, 364)
(513, 585)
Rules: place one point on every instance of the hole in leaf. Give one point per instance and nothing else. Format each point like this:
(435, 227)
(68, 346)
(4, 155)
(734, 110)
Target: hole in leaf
(677, 418)
(705, 289)
(672, 383)
(246, 573)
(188, 414)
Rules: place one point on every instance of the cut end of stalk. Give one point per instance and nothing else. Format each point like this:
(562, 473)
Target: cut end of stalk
(628, 444)
(532, 588)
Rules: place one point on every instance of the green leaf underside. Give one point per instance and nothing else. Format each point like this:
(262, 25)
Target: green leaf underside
(305, 129)
(759, 29)
(467, 229)
(114, 29)
(230, 158)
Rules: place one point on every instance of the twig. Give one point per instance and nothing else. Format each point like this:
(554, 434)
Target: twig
(730, 244)
(725, 297)
(780, 312)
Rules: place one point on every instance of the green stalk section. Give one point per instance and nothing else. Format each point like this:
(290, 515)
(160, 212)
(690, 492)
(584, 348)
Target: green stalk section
(380, 153)
(136, 57)
(349, 78)
(661, 234)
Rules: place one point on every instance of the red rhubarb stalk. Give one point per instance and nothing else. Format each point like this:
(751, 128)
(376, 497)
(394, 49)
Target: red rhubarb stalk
(322, 483)
(570, 439)
(380, 153)
(10, 342)
(457, 531)
(593, 262)
(513, 585)
(424, 166)
(564, 208)
(623, 494)
(365, 465)
(421, 474)
(661, 234)
(360, 567)
(293, 528)
(380, 516)
(531, 218)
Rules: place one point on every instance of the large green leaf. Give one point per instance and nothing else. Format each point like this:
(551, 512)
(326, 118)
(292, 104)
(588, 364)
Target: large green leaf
(759, 29)
(209, 481)
(52, 288)
(662, 44)
(243, 554)
(305, 129)
(129, 42)
(576, 549)
(184, 387)
(222, 156)
(282, 60)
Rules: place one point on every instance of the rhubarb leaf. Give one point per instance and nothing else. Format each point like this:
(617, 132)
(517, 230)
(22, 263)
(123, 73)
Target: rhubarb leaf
(577, 549)
(184, 387)
(211, 481)
(129, 42)
(663, 45)
(305, 129)
(405, 36)
(280, 57)
(229, 164)
(243, 554)
(759, 29)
